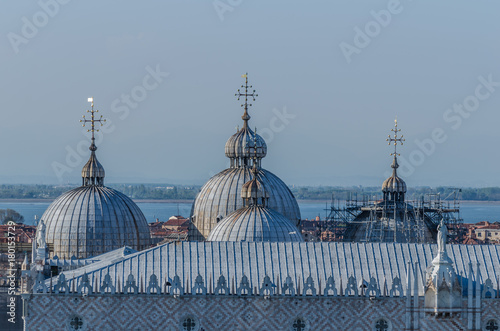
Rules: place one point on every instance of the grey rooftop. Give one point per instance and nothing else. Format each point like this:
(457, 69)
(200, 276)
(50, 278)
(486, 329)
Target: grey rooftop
(371, 263)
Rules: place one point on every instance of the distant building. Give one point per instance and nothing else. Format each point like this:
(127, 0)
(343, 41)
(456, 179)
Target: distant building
(486, 232)
(176, 223)
(23, 233)
(175, 229)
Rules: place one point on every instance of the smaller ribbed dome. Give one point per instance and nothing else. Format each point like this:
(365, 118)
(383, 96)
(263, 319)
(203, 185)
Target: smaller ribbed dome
(394, 183)
(245, 144)
(255, 223)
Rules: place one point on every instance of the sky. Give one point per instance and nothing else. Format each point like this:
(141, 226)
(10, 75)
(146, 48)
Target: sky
(331, 78)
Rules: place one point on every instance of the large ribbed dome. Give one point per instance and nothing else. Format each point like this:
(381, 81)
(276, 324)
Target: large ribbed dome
(221, 195)
(255, 223)
(92, 220)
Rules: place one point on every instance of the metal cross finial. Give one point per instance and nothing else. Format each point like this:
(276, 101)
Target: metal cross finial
(395, 139)
(246, 94)
(92, 120)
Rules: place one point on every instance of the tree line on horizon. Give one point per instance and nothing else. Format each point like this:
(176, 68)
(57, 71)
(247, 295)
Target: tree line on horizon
(324, 193)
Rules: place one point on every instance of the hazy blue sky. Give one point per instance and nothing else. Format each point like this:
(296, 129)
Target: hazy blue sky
(342, 69)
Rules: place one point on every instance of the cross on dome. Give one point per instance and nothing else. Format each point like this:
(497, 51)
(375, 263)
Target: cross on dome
(92, 121)
(394, 188)
(92, 172)
(246, 94)
(395, 139)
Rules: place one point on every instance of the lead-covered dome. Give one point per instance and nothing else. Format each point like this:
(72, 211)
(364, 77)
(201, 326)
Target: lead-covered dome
(255, 223)
(244, 144)
(93, 219)
(221, 195)
(394, 185)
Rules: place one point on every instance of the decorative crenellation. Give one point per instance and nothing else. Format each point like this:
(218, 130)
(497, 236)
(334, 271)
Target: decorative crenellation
(83, 285)
(231, 303)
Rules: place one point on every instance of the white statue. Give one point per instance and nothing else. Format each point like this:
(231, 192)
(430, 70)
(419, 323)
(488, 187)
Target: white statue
(442, 236)
(40, 235)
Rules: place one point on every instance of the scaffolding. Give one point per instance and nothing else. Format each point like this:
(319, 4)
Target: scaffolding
(374, 220)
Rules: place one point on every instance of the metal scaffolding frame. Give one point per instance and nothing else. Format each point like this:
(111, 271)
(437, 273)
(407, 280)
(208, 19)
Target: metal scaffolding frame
(393, 222)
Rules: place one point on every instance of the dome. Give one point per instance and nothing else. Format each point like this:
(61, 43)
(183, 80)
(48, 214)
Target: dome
(394, 183)
(91, 220)
(255, 223)
(92, 171)
(246, 144)
(221, 196)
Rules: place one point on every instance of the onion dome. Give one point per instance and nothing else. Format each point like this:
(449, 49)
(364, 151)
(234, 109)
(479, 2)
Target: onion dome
(221, 195)
(255, 221)
(93, 219)
(241, 146)
(394, 183)
(245, 144)
(394, 188)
